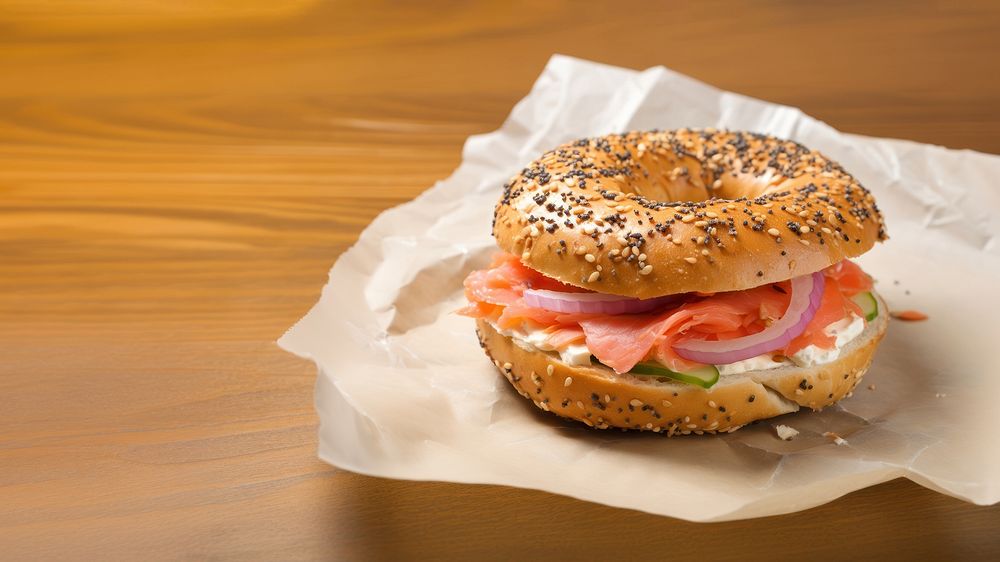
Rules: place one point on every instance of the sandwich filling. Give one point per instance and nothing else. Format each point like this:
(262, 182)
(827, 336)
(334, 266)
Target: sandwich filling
(841, 306)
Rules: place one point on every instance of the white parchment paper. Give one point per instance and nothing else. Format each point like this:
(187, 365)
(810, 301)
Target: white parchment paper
(404, 390)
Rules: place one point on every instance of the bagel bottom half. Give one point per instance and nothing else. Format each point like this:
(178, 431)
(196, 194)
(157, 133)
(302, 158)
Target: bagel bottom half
(598, 397)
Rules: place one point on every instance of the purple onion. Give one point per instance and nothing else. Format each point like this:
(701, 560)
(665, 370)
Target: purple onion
(807, 294)
(592, 303)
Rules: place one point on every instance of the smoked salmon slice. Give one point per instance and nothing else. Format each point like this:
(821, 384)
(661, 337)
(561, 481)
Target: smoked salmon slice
(621, 341)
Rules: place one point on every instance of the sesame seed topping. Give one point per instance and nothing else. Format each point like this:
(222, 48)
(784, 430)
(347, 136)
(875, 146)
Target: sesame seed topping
(550, 369)
(601, 170)
(635, 403)
(590, 258)
(508, 366)
(568, 381)
(594, 277)
(646, 270)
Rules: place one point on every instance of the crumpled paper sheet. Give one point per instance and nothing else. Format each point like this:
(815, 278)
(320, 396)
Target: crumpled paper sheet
(404, 391)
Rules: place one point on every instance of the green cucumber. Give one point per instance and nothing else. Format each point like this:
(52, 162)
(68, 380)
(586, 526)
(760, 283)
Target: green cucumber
(868, 304)
(704, 377)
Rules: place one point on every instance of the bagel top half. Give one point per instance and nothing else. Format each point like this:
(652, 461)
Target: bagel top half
(645, 214)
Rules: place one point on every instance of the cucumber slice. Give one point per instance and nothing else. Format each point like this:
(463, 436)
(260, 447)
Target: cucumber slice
(868, 304)
(704, 377)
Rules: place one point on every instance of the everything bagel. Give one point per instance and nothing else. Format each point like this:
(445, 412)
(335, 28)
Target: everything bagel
(688, 281)
(645, 214)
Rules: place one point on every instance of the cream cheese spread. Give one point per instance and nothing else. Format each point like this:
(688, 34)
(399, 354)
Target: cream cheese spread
(530, 339)
(845, 330)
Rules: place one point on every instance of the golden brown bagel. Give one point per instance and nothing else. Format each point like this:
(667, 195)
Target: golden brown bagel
(598, 397)
(653, 213)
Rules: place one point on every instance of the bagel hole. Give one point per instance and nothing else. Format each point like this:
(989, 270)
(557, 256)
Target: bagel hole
(693, 189)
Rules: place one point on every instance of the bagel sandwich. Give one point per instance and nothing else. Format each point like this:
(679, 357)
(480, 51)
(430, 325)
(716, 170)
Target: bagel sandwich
(686, 281)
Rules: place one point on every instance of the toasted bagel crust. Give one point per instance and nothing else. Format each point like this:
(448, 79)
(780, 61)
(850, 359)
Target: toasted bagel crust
(598, 397)
(645, 214)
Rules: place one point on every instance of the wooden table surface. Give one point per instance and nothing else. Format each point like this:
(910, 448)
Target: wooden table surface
(176, 178)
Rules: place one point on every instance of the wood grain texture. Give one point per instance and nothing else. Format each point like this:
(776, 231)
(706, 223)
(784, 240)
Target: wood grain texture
(177, 177)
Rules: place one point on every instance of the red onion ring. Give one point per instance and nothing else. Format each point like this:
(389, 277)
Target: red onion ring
(592, 303)
(807, 293)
